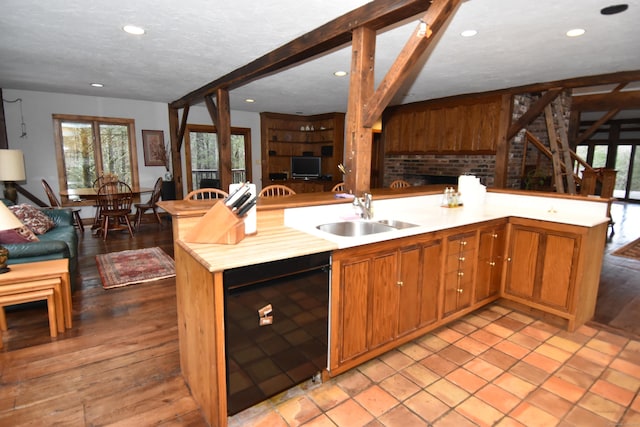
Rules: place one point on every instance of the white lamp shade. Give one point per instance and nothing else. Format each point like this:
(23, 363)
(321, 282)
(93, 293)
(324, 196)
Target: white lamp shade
(8, 221)
(12, 165)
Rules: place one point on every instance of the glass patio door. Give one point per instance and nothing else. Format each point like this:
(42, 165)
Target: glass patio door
(627, 166)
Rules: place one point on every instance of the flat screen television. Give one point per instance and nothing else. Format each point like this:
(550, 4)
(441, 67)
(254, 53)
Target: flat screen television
(306, 167)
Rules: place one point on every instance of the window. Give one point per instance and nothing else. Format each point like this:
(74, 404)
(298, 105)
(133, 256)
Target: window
(90, 146)
(203, 156)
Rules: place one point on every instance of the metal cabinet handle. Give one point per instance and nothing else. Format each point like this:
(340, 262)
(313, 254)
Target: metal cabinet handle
(495, 235)
(461, 273)
(492, 264)
(459, 290)
(400, 283)
(461, 258)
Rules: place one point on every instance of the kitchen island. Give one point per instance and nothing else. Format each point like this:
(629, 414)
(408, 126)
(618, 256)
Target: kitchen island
(542, 251)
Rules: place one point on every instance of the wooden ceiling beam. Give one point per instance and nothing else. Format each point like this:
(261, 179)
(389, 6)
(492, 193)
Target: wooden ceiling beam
(534, 111)
(422, 42)
(629, 100)
(375, 15)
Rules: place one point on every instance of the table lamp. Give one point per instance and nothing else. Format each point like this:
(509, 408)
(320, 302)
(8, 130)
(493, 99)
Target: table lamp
(11, 170)
(8, 221)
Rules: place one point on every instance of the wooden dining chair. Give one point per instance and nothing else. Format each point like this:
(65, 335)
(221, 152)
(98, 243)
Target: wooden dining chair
(206, 193)
(276, 190)
(114, 201)
(399, 183)
(338, 188)
(152, 204)
(55, 203)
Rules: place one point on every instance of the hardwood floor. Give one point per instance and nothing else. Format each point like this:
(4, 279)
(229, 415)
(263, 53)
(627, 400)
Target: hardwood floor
(119, 364)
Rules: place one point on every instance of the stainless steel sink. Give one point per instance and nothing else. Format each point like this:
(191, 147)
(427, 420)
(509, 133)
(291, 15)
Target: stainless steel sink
(354, 228)
(396, 223)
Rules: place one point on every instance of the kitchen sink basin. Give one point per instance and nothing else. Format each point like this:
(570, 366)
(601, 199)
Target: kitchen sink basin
(396, 223)
(354, 228)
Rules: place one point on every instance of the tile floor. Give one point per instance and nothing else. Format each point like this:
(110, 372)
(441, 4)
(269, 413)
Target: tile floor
(495, 367)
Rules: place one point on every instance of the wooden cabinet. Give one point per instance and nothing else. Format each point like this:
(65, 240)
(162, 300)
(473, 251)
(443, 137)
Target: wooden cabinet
(491, 247)
(285, 136)
(382, 292)
(459, 272)
(555, 267)
(443, 127)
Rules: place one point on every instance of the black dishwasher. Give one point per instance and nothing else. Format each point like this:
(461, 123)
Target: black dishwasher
(276, 326)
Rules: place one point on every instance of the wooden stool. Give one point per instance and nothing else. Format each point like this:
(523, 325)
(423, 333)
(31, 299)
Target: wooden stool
(31, 296)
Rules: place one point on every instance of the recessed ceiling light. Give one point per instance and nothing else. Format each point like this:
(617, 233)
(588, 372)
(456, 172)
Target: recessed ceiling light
(133, 29)
(576, 32)
(97, 85)
(250, 100)
(340, 73)
(469, 33)
(613, 9)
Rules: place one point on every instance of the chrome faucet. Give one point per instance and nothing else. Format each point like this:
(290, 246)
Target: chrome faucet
(364, 204)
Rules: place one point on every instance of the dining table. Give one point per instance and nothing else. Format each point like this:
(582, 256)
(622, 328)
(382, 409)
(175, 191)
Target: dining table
(90, 193)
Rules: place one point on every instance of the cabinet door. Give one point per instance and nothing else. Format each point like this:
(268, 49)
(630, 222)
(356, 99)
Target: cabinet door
(410, 290)
(490, 262)
(556, 285)
(383, 302)
(431, 263)
(523, 260)
(354, 300)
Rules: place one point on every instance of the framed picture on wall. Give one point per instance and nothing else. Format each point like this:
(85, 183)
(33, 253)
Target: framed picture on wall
(154, 149)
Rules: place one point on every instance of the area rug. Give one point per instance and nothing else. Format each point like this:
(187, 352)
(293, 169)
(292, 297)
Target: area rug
(630, 250)
(131, 267)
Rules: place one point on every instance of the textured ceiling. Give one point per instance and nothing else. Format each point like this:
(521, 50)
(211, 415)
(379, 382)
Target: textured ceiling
(65, 45)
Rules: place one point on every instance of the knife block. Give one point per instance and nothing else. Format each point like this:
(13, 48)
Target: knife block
(218, 225)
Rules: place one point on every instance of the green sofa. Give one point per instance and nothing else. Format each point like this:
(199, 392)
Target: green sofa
(57, 243)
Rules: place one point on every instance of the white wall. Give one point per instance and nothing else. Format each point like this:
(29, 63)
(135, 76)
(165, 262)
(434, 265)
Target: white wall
(39, 149)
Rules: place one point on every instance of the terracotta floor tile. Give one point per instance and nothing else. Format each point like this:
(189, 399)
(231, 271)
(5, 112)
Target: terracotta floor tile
(447, 392)
(486, 337)
(523, 318)
(427, 406)
(328, 396)
(626, 367)
(432, 342)
(438, 364)
(615, 339)
(636, 404)
(376, 400)
(454, 419)
(630, 355)
(498, 358)
(564, 389)
(498, 330)
(543, 362)
(497, 397)
(553, 352)
(514, 385)
(320, 421)
(574, 337)
(564, 344)
(420, 375)
(456, 355)
(499, 309)
(512, 349)
(353, 382)
(509, 323)
(587, 330)
(349, 414)
(376, 370)
(575, 376)
(298, 410)
(463, 327)
(471, 345)
(529, 373)
(539, 334)
(585, 365)
(399, 387)
(550, 402)
(396, 359)
(601, 406)
(604, 346)
(447, 334)
(532, 416)
(479, 412)
(621, 380)
(613, 392)
(524, 340)
(415, 351)
(487, 313)
(374, 423)
(509, 422)
(483, 369)
(594, 356)
(547, 327)
(631, 418)
(466, 380)
(400, 416)
(477, 321)
(579, 417)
